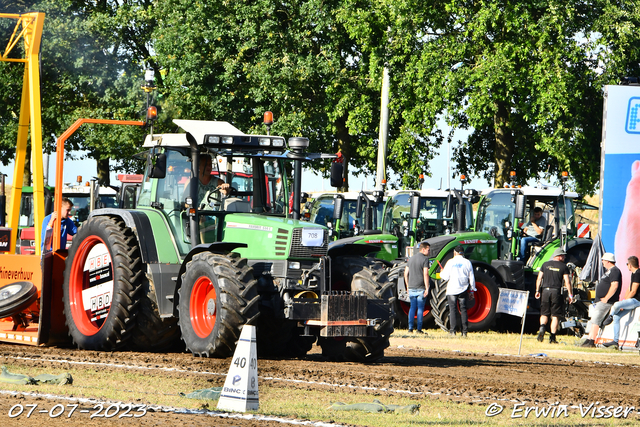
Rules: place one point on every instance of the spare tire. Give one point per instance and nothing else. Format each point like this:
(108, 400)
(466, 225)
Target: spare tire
(16, 297)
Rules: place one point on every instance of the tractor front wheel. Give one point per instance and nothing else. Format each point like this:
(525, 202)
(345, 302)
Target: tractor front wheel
(217, 297)
(481, 311)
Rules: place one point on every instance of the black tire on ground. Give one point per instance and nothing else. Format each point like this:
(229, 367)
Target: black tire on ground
(365, 275)
(481, 311)
(218, 296)
(153, 333)
(16, 297)
(102, 284)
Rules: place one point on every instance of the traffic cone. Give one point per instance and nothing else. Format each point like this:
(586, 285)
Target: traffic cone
(240, 391)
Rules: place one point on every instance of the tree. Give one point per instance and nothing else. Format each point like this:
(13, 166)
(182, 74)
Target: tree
(234, 60)
(85, 72)
(519, 75)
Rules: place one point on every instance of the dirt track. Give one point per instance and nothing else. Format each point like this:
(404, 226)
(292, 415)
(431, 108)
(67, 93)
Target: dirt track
(474, 378)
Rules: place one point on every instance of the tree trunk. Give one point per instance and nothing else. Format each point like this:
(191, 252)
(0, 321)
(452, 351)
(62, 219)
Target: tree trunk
(505, 145)
(103, 172)
(26, 175)
(344, 146)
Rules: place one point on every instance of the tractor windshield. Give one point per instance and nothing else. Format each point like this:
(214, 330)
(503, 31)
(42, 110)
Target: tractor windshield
(495, 210)
(322, 213)
(256, 186)
(432, 220)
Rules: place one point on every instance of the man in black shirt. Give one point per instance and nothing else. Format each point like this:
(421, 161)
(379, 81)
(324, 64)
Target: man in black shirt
(550, 279)
(631, 300)
(607, 292)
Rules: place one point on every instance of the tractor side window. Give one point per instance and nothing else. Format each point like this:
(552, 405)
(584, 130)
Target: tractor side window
(495, 210)
(322, 211)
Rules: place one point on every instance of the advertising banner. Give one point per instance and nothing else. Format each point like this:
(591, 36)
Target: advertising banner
(620, 175)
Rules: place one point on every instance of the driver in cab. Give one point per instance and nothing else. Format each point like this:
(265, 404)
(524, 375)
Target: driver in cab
(532, 231)
(208, 185)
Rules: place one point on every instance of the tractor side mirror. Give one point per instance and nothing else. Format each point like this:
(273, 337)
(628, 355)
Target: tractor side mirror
(450, 203)
(338, 202)
(520, 206)
(414, 212)
(336, 175)
(157, 164)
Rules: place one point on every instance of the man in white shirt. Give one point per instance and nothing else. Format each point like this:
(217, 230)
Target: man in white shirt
(459, 272)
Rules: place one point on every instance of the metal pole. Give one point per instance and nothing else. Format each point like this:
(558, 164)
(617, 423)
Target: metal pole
(381, 167)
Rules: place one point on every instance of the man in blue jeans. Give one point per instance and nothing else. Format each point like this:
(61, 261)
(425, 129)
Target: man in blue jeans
(416, 277)
(624, 307)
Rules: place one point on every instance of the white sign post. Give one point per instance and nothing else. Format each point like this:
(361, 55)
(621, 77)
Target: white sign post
(240, 391)
(511, 301)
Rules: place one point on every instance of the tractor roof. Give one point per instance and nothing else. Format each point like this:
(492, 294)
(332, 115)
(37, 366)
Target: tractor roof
(537, 192)
(201, 130)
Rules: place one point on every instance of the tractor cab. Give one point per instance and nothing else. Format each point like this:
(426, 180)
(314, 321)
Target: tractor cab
(435, 214)
(505, 213)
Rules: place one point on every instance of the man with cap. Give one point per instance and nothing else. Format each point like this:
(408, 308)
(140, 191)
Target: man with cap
(552, 275)
(459, 272)
(631, 300)
(607, 292)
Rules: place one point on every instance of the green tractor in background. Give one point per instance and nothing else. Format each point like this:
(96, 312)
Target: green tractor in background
(493, 248)
(143, 278)
(395, 220)
(414, 216)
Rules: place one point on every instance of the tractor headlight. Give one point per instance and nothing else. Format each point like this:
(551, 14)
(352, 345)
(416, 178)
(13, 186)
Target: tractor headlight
(264, 142)
(213, 139)
(277, 142)
(227, 140)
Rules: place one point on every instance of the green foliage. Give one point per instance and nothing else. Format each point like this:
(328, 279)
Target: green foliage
(524, 78)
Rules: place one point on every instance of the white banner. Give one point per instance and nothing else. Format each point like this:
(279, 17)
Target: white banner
(512, 302)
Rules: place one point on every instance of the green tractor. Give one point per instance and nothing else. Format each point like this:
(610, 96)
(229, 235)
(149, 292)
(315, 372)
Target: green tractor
(143, 278)
(414, 216)
(494, 248)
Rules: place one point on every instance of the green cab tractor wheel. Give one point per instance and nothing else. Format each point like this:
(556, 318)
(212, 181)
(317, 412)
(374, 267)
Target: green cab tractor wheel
(102, 283)
(481, 310)
(365, 275)
(217, 297)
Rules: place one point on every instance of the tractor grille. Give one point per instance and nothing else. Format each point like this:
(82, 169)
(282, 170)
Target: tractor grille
(299, 251)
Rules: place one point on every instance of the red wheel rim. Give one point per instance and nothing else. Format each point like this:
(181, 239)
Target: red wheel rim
(405, 306)
(78, 282)
(202, 307)
(481, 304)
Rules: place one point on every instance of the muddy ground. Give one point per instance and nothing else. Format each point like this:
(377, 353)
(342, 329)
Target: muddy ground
(474, 378)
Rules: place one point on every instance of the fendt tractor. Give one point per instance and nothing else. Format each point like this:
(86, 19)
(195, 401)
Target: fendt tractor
(147, 276)
(414, 216)
(395, 220)
(494, 245)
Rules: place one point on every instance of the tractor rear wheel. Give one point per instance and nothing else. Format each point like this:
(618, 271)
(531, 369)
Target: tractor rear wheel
(481, 311)
(16, 297)
(367, 276)
(217, 297)
(102, 283)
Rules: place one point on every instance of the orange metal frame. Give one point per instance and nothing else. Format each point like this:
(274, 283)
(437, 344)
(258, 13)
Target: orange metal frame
(44, 319)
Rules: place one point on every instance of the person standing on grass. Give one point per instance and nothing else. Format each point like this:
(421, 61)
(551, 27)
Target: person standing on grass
(621, 308)
(550, 279)
(607, 292)
(459, 272)
(416, 277)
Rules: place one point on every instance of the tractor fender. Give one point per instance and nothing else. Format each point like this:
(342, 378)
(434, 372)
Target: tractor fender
(141, 226)
(491, 270)
(216, 247)
(349, 247)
